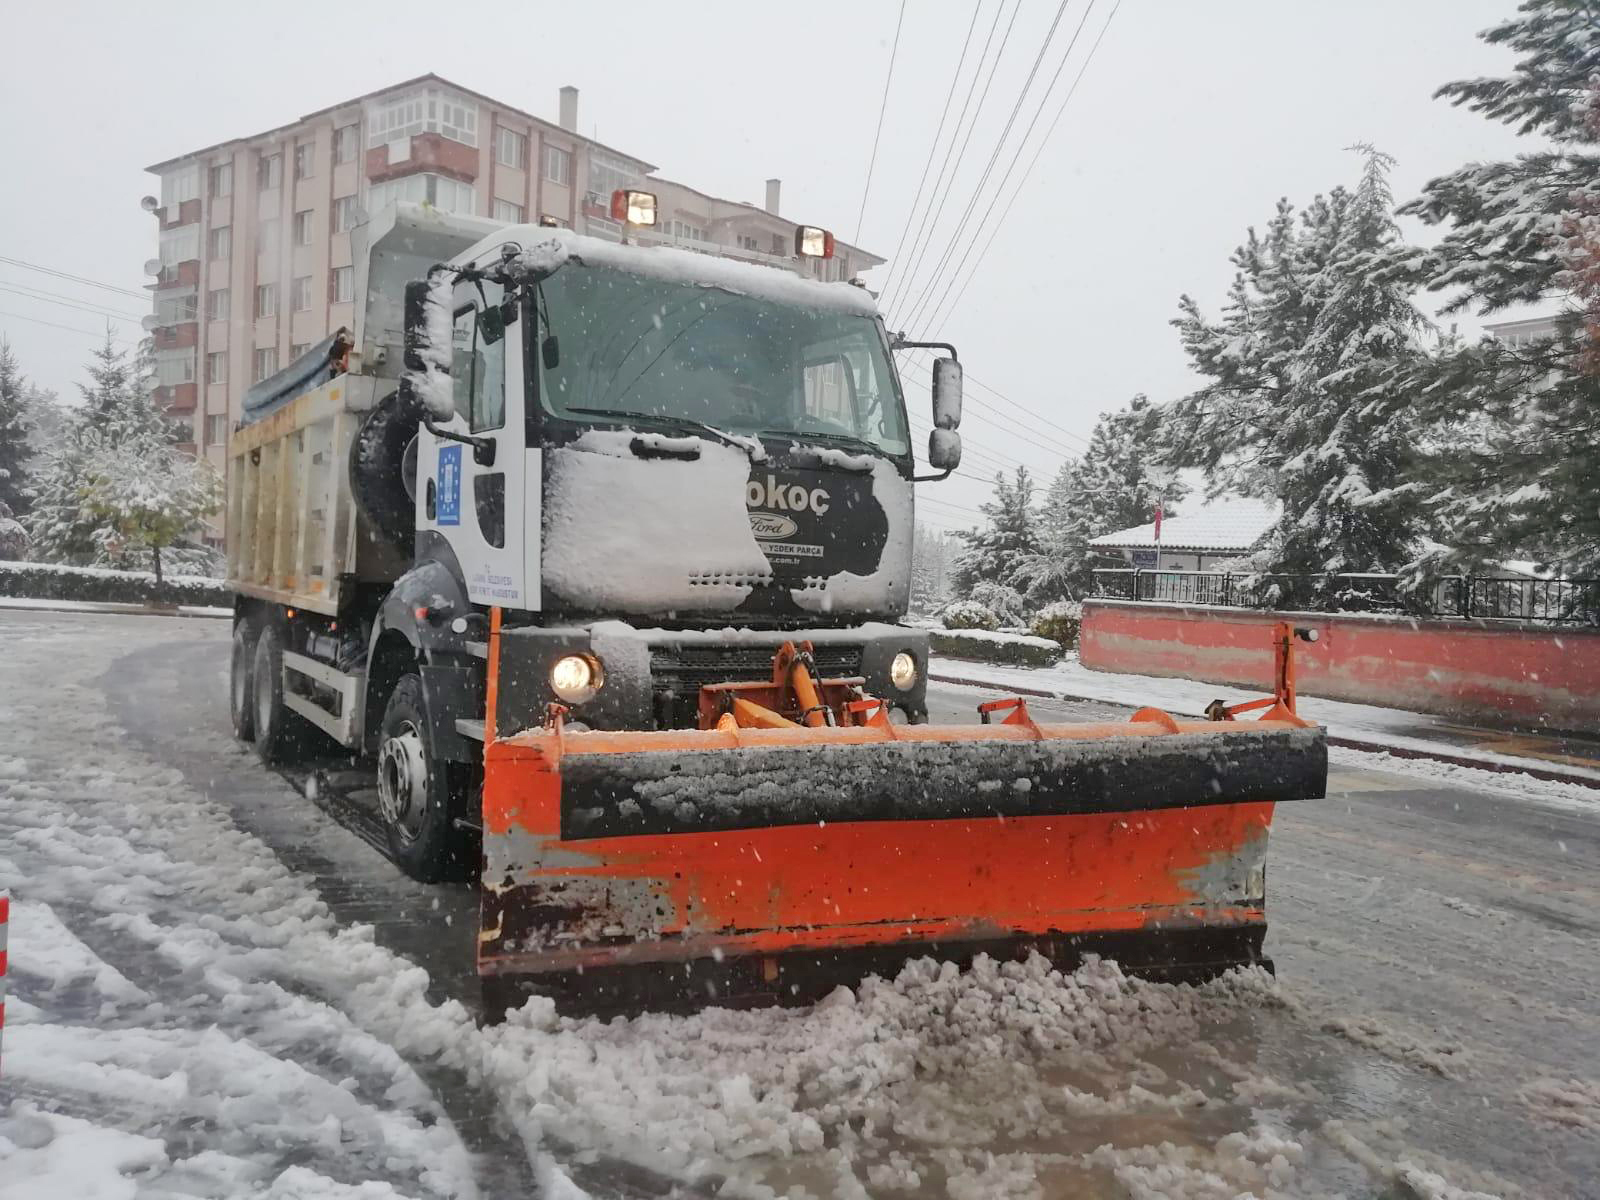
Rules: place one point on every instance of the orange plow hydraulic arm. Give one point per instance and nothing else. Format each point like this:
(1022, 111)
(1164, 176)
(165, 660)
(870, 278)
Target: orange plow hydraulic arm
(799, 840)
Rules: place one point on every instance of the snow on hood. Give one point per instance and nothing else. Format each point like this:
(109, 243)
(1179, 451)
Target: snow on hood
(649, 535)
(549, 249)
(887, 589)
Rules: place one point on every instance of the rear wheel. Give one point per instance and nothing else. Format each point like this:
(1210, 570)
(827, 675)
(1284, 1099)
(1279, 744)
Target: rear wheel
(419, 797)
(241, 692)
(281, 735)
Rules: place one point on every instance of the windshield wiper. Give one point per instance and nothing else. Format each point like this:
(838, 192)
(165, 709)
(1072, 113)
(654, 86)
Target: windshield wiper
(749, 445)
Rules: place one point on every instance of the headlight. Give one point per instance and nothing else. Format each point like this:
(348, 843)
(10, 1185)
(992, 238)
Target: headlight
(576, 678)
(903, 671)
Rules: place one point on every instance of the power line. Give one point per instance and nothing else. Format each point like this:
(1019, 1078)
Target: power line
(1042, 440)
(933, 147)
(46, 298)
(110, 287)
(882, 108)
(931, 288)
(949, 305)
(57, 325)
(915, 258)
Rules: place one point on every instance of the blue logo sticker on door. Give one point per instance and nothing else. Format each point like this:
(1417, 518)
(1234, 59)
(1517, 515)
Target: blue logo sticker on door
(449, 486)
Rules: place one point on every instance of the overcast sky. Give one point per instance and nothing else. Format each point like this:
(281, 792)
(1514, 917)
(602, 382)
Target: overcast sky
(1191, 120)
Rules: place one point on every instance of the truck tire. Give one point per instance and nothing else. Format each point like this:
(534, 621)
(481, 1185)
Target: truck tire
(419, 797)
(281, 736)
(241, 692)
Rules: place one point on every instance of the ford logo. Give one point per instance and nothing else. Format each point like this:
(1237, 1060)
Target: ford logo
(770, 528)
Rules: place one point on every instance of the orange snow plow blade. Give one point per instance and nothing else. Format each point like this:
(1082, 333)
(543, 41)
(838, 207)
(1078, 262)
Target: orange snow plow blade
(798, 841)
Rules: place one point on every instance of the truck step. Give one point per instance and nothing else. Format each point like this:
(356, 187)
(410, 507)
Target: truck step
(469, 729)
(478, 650)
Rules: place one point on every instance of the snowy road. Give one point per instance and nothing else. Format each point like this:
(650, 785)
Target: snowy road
(218, 992)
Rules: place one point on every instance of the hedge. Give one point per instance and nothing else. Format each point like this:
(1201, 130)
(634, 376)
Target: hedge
(52, 581)
(1009, 648)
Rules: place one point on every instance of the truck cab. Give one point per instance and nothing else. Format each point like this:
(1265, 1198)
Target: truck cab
(657, 466)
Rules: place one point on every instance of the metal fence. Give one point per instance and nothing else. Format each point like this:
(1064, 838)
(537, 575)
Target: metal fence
(1572, 601)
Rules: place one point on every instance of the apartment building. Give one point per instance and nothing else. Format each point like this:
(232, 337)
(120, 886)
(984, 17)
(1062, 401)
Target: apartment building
(255, 262)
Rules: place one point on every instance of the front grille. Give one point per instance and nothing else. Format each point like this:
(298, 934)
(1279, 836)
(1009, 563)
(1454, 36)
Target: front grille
(684, 670)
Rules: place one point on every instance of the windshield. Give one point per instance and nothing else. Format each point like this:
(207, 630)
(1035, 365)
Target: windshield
(634, 345)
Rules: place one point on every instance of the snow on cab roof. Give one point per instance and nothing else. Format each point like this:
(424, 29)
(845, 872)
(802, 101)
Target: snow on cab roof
(1236, 523)
(545, 249)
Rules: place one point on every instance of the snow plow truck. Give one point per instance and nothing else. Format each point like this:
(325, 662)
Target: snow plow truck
(599, 553)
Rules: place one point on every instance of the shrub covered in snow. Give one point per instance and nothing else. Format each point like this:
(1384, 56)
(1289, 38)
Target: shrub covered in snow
(1059, 622)
(968, 614)
(1017, 649)
(1004, 602)
(51, 581)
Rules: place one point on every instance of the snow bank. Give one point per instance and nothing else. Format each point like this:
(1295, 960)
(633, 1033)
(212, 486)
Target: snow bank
(55, 581)
(989, 646)
(649, 535)
(550, 249)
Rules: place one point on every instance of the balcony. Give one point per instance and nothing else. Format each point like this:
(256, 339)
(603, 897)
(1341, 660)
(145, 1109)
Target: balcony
(422, 152)
(177, 275)
(184, 335)
(177, 397)
(187, 213)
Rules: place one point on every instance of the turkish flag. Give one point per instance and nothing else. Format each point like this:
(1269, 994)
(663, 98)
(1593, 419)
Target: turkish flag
(1158, 520)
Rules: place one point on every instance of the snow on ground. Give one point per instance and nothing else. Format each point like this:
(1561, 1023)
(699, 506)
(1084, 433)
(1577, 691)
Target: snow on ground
(196, 1022)
(1390, 727)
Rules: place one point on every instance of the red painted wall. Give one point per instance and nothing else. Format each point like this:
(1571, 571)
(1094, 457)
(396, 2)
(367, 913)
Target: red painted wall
(1474, 669)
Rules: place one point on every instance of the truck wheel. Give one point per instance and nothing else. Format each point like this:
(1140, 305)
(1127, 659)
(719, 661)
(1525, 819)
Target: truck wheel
(280, 735)
(241, 695)
(418, 796)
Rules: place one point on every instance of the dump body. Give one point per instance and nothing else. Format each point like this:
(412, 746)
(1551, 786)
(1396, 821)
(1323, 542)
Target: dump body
(295, 534)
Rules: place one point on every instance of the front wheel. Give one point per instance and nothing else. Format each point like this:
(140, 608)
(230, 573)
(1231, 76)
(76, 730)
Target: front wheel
(418, 796)
(241, 692)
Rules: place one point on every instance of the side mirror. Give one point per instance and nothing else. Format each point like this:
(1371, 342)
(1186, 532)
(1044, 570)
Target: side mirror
(416, 321)
(491, 325)
(550, 351)
(944, 449)
(946, 397)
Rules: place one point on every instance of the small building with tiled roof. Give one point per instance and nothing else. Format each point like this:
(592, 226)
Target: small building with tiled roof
(1195, 540)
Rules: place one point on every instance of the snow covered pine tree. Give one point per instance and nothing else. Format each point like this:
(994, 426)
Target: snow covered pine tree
(14, 450)
(1311, 370)
(1116, 484)
(995, 553)
(1520, 480)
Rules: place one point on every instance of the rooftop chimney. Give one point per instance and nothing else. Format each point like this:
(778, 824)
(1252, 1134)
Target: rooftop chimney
(569, 109)
(773, 187)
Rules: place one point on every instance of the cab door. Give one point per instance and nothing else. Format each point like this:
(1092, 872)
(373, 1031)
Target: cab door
(474, 494)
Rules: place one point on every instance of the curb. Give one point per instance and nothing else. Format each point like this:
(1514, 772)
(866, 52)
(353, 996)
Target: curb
(1547, 774)
(114, 608)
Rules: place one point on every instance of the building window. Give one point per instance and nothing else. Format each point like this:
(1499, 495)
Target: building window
(557, 165)
(267, 236)
(174, 367)
(511, 214)
(442, 193)
(217, 429)
(176, 309)
(305, 160)
(344, 285)
(269, 171)
(178, 186)
(221, 242)
(221, 180)
(302, 228)
(180, 245)
(510, 148)
(217, 304)
(301, 293)
(430, 110)
(746, 242)
(266, 363)
(217, 367)
(346, 140)
(551, 221)
(297, 350)
(267, 300)
(682, 231)
(344, 214)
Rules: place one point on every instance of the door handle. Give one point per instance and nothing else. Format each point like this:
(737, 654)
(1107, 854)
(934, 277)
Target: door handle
(431, 506)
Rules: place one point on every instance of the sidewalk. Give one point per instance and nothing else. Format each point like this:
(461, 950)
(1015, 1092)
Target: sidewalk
(113, 606)
(1558, 757)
